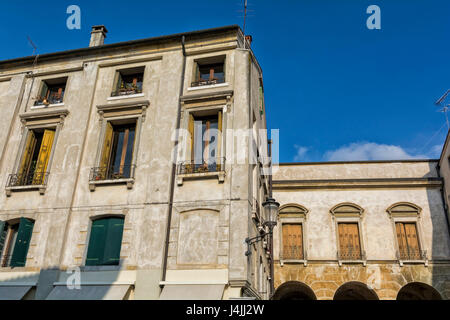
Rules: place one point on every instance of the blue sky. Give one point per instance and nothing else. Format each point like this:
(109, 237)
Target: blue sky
(336, 90)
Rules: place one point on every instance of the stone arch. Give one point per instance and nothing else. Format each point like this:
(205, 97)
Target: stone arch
(404, 209)
(347, 208)
(294, 290)
(293, 208)
(418, 291)
(355, 290)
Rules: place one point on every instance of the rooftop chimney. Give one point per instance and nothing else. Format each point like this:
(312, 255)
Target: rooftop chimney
(249, 39)
(98, 35)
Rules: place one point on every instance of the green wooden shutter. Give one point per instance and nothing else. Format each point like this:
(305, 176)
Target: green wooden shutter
(97, 242)
(19, 256)
(44, 90)
(3, 231)
(113, 241)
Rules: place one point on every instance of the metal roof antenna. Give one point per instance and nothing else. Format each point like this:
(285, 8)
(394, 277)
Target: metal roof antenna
(245, 15)
(441, 102)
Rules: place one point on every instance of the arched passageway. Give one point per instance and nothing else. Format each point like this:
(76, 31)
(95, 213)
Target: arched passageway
(355, 290)
(294, 290)
(418, 291)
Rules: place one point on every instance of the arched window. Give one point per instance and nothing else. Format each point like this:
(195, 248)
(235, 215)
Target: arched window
(105, 241)
(292, 217)
(15, 237)
(347, 218)
(405, 219)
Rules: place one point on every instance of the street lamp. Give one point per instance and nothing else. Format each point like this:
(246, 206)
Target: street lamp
(271, 218)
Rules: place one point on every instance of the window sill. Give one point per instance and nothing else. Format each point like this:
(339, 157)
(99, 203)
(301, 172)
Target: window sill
(403, 262)
(48, 106)
(100, 268)
(197, 176)
(128, 181)
(130, 96)
(208, 86)
(293, 261)
(363, 262)
(41, 189)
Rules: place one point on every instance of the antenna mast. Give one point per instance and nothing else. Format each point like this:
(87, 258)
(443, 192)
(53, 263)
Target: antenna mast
(445, 106)
(245, 14)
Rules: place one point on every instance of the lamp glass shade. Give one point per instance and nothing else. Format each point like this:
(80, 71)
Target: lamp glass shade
(271, 212)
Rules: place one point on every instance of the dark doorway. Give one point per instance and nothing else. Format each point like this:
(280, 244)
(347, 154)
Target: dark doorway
(294, 290)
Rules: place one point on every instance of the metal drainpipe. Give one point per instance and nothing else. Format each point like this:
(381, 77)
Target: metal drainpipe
(272, 272)
(174, 164)
(444, 203)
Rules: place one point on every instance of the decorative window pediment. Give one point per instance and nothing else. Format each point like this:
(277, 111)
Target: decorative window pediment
(404, 209)
(347, 209)
(293, 209)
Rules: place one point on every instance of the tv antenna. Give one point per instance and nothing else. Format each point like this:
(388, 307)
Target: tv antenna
(33, 45)
(445, 106)
(245, 14)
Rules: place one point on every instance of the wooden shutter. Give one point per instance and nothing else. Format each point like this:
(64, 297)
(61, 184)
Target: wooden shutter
(44, 156)
(401, 239)
(97, 241)
(113, 242)
(27, 155)
(349, 242)
(412, 241)
(191, 133)
(44, 90)
(19, 255)
(292, 241)
(106, 150)
(219, 142)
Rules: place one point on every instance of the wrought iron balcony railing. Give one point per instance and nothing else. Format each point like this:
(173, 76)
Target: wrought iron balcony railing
(126, 91)
(112, 173)
(412, 254)
(30, 179)
(193, 166)
(207, 82)
(351, 253)
(293, 253)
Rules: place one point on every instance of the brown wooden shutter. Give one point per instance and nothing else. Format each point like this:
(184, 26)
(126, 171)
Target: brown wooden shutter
(349, 242)
(44, 156)
(292, 241)
(412, 241)
(106, 150)
(401, 239)
(219, 142)
(355, 241)
(27, 155)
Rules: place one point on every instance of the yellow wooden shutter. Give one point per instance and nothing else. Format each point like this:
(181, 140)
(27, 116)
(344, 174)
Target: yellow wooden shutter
(219, 142)
(342, 239)
(401, 238)
(27, 154)
(354, 241)
(44, 156)
(191, 133)
(106, 150)
(292, 241)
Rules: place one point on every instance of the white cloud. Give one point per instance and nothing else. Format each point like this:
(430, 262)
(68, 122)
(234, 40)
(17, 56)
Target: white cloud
(370, 151)
(301, 153)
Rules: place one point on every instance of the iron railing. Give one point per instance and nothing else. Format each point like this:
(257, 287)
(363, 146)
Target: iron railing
(293, 253)
(112, 173)
(52, 99)
(30, 179)
(412, 254)
(351, 253)
(126, 92)
(196, 166)
(207, 82)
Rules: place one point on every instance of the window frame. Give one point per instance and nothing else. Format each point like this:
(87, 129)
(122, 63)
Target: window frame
(119, 74)
(44, 81)
(9, 224)
(298, 215)
(205, 61)
(411, 216)
(348, 212)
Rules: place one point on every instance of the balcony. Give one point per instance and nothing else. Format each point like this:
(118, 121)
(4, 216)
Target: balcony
(292, 253)
(412, 256)
(200, 169)
(32, 180)
(112, 175)
(207, 82)
(351, 255)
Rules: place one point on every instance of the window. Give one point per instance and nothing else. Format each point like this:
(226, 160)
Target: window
(209, 71)
(35, 158)
(205, 146)
(105, 242)
(128, 82)
(408, 241)
(14, 242)
(117, 152)
(52, 92)
(349, 242)
(292, 241)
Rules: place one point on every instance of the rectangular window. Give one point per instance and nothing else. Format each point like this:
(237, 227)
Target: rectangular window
(128, 82)
(408, 241)
(292, 241)
(205, 149)
(35, 158)
(52, 92)
(105, 242)
(14, 242)
(117, 152)
(349, 241)
(209, 71)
